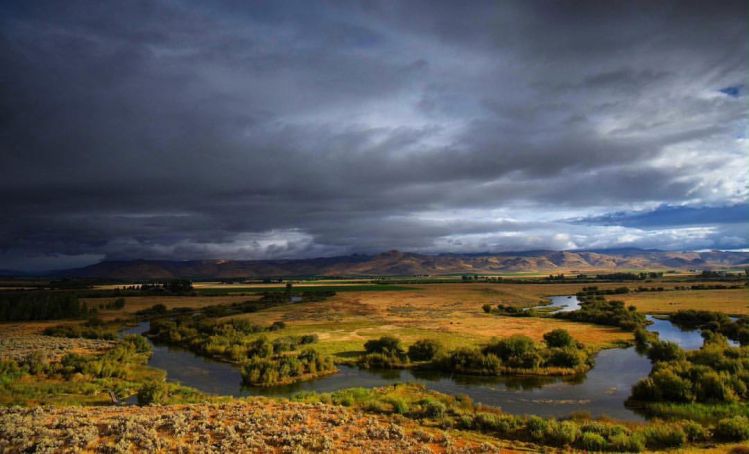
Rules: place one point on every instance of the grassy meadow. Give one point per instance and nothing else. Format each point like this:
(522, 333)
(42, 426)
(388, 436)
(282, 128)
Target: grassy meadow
(728, 301)
(390, 419)
(450, 312)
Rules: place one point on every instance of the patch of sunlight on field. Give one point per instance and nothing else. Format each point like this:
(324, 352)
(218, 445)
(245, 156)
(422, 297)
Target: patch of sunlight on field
(732, 301)
(451, 313)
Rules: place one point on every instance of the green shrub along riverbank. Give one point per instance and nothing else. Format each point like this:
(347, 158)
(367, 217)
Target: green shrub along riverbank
(75, 379)
(432, 408)
(93, 328)
(559, 354)
(595, 309)
(281, 369)
(698, 384)
(263, 362)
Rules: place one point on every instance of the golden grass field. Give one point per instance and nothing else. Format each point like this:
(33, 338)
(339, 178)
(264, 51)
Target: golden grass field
(451, 313)
(729, 301)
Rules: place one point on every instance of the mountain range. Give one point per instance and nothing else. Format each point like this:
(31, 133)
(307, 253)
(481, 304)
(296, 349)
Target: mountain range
(405, 263)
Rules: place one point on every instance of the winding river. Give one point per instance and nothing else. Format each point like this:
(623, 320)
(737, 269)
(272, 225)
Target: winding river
(601, 392)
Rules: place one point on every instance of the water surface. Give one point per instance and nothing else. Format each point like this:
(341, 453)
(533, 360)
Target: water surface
(561, 304)
(601, 392)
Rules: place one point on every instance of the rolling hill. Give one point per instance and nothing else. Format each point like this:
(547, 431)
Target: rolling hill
(406, 263)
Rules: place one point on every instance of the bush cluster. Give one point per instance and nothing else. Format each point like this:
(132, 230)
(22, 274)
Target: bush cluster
(519, 353)
(716, 373)
(231, 340)
(559, 354)
(595, 309)
(283, 369)
(416, 402)
(92, 329)
(117, 362)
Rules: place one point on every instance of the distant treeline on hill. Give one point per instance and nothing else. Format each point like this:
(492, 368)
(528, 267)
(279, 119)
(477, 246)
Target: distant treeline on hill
(41, 306)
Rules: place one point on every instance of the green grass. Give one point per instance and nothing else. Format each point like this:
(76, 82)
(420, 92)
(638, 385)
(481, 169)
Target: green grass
(336, 339)
(705, 413)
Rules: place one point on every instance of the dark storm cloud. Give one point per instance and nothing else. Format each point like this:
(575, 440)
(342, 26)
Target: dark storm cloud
(284, 129)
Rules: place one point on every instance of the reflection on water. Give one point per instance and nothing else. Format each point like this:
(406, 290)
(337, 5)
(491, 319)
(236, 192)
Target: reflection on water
(561, 304)
(688, 340)
(602, 391)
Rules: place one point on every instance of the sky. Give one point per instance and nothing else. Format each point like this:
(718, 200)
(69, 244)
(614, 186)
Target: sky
(254, 130)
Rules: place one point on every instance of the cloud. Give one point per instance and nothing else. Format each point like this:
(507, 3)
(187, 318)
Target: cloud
(191, 130)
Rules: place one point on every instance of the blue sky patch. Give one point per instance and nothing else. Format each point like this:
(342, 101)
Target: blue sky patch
(667, 215)
(733, 91)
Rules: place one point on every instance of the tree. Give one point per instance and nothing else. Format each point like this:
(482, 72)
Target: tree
(424, 350)
(558, 338)
(385, 344)
(665, 351)
(153, 393)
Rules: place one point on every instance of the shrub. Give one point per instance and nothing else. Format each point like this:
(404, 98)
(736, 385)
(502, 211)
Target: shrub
(558, 338)
(665, 351)
(382, 361)
(733, 429)
(537, 428)
(400, 406)
(591, 441)
(660, 436)
(138, 342)
(267, 371)
(626, 443)
(277, 326)
(603, 312)
(153, 393)
(711, 387)
(672, 387)
(511, 347)
(432, 408)
(604, 430)
(515, 351)
(471, 361)
(566, 357)
(38, 362)
(561, 433)
(385, 344)
(424, 350)
(696, 432)
(260, 347)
